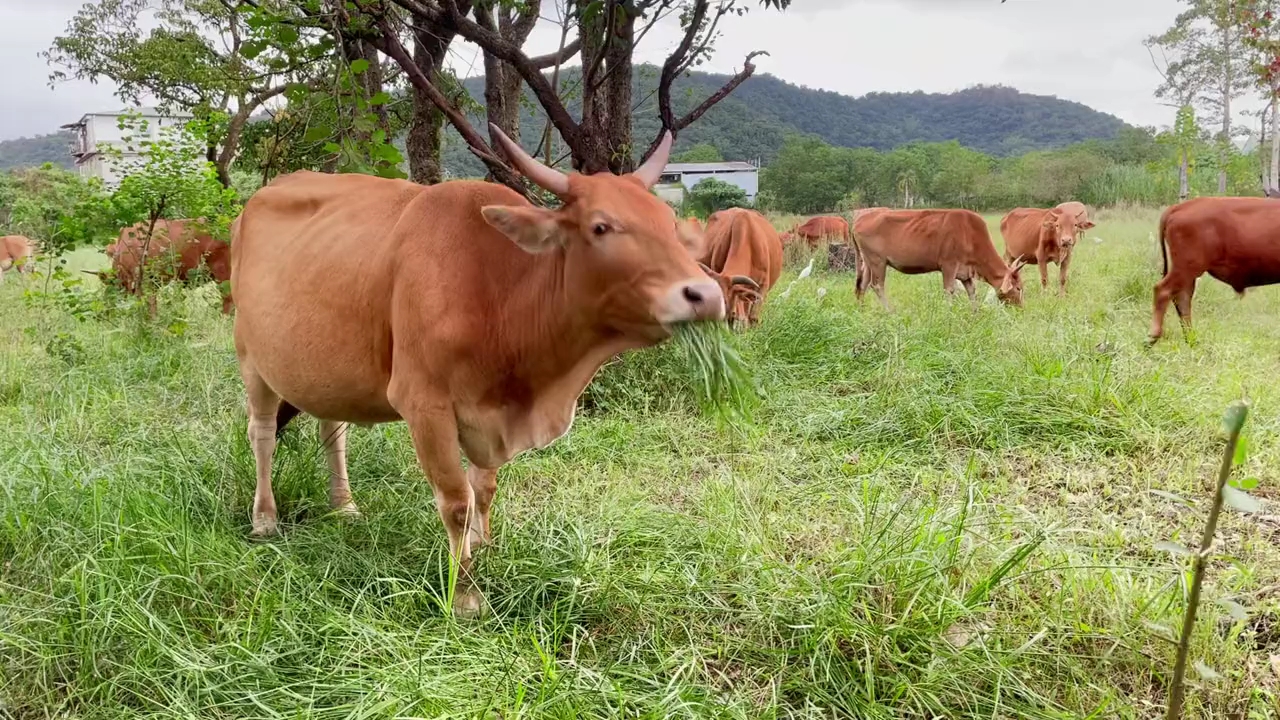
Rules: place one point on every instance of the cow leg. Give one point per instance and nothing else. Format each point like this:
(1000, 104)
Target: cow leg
(1043, 263)
(1182, 303)
(1062, 274)
(435, 440)
(1169, 286)
(973, 293)
(877, 283)
(484, 485)
(949, 282)
(333, 435)
(263, 405)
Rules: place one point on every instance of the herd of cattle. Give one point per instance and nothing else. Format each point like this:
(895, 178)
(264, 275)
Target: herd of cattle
(479, 318)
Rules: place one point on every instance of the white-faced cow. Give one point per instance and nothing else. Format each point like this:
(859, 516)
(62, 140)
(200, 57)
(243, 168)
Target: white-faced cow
(1232, 239)
(953, 242)
(459, 308)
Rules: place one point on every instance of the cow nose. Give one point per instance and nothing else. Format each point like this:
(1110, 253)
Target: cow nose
(704, 299)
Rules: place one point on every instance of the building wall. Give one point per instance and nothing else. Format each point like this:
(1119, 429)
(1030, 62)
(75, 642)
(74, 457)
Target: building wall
(105, 129)
(749, 181)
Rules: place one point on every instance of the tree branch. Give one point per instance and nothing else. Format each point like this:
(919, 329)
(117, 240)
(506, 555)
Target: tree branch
(390, 44)
(748, 69)
(671, 68)
(560, 57)
(493, 43)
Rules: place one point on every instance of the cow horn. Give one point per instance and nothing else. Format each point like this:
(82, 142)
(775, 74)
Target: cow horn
(1018, 262)
(548, 179)
(708, 270)
(651, 170)
(744, 280)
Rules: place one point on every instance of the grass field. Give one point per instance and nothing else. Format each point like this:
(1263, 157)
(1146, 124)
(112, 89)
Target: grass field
(937, 514)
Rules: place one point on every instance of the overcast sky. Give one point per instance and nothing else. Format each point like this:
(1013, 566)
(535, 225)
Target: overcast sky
(1089, 51)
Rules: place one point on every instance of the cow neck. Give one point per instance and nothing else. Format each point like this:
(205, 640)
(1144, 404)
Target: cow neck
(552, 341)
(990, 265)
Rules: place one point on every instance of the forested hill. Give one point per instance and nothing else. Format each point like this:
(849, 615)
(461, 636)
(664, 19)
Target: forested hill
(753, 122)
(32, 151)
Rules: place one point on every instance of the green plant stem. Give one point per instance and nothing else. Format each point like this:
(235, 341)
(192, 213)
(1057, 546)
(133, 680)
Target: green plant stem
(1236, 415)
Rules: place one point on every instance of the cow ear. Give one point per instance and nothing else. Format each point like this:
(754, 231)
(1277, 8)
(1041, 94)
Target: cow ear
(1086, 224)
(691, 237)
(535, 230)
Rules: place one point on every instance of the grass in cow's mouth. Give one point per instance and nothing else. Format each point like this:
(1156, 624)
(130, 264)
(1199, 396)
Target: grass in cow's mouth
(725, 387)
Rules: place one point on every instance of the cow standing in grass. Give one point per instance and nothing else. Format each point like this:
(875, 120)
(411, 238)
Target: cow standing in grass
(1235, 240)
(953, 242)
(1043, 236)
(822, 228)
(459, 308)
(16, 251)
(176, 249)
(744, 255)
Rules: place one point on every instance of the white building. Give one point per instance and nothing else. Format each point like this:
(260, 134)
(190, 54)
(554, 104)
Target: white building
(99, 128)
(678, 177)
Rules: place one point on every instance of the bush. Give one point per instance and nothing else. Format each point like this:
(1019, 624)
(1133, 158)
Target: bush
(712, 195)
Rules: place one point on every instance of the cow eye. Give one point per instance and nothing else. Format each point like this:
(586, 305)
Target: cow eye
(599, 229)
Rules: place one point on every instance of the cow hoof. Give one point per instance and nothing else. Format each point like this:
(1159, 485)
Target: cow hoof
(467, 605)
(348, 511)
(1151, 341)
(264, 525)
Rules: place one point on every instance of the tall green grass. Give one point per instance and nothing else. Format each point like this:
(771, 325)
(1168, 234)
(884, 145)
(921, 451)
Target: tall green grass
(936, 513)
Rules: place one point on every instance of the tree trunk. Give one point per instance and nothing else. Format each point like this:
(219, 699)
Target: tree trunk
(1183, 189)
(617, 93)
(426, 128)
(1274, 170)
(1224, 147)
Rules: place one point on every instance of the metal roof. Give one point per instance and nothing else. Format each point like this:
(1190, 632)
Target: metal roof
(710, 167)
(144, 111)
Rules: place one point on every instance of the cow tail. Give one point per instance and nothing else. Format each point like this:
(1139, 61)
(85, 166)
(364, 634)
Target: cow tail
(1164, 245)
(286, 413)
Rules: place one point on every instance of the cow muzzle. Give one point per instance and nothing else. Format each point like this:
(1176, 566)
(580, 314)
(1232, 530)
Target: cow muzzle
(693, 299)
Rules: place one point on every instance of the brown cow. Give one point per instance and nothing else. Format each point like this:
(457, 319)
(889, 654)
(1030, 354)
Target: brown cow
(459, 308)
(1042, 236)
(176, 249)
(1232, 239)
(744, 255)
(16, 250)
(953, 242)
(822, 227)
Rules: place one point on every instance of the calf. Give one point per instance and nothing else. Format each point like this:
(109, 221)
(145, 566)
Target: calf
(1232, 239)
(176, 249)
(16, 250)
(1044, 236)
(953, 242)
(744, 255)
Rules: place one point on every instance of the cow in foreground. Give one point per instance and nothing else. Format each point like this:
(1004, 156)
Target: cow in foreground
(176, 249)
(16, 251)
(460, 308)
(1232, 239)
(1043, 236)
(744, 255)
(953, 242)
(822, 228)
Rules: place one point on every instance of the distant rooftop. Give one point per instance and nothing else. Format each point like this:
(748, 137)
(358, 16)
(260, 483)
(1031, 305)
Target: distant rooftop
(144, 111)
(709, 167)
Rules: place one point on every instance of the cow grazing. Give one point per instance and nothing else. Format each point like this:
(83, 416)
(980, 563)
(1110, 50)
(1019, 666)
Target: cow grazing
(176, 249)
(822, 228)
(460, 308)
(744, 255)
(16, 251)
(1232, 239)
(1043, 236)
(953, 242)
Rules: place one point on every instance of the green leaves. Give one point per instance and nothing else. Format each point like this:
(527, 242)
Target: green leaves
(359, 66)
